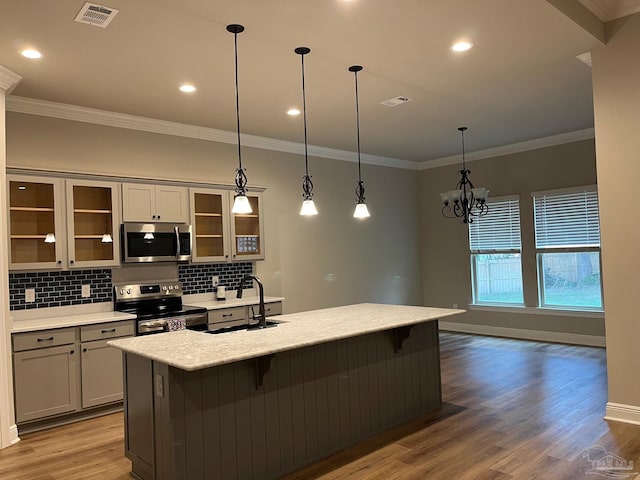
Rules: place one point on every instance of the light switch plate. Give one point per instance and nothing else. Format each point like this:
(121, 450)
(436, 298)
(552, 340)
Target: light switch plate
(86, 291)
(29, 295)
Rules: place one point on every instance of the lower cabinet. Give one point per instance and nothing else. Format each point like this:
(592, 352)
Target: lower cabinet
(45, 382)
(67, 370)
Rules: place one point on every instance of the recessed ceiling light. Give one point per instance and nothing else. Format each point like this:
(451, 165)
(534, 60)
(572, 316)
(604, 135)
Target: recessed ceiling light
(293, 112)
(187, 88)
(31, 53)
(461, 46)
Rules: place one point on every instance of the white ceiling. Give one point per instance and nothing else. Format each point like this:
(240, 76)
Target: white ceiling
(521, 81)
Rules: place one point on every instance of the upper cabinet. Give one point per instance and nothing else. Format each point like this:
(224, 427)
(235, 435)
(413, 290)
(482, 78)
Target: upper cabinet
(93, 222)
(210, 225)
(221, 236)
(148, 203)
(38, 212)
(247, 231)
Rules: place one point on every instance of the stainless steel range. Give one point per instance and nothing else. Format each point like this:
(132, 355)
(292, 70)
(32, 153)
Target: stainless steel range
(158, 307)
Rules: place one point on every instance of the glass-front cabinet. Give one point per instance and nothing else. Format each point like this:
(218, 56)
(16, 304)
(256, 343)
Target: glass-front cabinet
(221, 236)
(210, 222)
(36, 211)
(37, 216)
(93, 221)
(247, 231)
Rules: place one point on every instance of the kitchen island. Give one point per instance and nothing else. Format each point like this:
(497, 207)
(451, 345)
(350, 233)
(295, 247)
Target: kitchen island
(259, 404)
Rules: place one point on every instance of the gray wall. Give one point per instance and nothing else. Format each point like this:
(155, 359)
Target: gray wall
(332, 259)
(446, 266)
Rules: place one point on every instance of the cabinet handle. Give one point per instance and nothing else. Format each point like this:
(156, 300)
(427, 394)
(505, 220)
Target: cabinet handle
(227, 315)
(45, 339)
(109, 331)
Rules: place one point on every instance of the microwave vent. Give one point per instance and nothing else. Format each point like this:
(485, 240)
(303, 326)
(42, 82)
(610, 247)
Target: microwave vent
(96, 15)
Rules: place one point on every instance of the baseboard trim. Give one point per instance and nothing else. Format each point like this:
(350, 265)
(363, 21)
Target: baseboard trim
(522, 334)
(619, 412)
(13, 434)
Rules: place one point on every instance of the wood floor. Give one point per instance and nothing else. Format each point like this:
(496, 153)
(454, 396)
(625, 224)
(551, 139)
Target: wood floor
(513, 410)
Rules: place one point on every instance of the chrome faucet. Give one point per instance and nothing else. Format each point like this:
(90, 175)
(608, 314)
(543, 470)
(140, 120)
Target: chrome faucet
(261, 317)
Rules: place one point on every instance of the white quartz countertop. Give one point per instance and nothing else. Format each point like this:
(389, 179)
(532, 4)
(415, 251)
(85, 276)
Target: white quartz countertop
(50, 322)
(193, 350)
(233, 302)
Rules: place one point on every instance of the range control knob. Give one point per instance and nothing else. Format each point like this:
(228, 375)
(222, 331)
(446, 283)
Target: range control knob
(129, 291)
(170, 287)
(177, 287)
(122, 291)
(164, 287)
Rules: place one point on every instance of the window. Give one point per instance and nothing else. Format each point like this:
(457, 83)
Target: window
(496, 268)
(568, 248)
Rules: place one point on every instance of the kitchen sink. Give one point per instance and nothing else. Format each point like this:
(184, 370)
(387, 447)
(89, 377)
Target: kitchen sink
(237, 328)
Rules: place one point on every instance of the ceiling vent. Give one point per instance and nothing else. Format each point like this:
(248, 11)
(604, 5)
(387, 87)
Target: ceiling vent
(395, 101)
(96, 15)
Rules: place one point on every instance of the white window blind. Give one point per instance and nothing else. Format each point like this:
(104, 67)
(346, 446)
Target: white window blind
(499, 230)
(567, 218)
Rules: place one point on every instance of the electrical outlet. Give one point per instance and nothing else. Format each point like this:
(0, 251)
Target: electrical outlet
(455, 305)
(29, 295)
(215, 280)
(86, 291)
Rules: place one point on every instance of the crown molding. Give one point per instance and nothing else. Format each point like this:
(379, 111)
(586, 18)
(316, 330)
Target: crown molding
(132, 122)
(8, 79)
(587, 133)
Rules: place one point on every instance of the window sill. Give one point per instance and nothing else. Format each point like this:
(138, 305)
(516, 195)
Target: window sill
(536, 310)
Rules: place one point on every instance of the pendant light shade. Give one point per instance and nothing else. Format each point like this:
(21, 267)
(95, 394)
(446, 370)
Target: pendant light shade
(241, 202)
(308, 207)
(361, 210)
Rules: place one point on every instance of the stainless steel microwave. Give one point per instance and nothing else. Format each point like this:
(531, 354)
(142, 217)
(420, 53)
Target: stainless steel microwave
(155, 242)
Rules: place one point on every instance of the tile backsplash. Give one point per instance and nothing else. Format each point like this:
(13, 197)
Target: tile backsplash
(196, 278)
(64, 288)
(59, 288)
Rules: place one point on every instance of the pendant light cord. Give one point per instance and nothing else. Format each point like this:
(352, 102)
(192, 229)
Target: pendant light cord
(235, 39)
(304, 116)
(358, 126)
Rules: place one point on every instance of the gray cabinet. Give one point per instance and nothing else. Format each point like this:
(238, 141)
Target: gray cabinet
(45, 377)
(67, 370)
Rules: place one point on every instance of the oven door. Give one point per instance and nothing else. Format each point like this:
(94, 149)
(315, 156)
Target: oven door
(149, 242)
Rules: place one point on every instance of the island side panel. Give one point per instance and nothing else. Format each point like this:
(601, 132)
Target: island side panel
(238, 425)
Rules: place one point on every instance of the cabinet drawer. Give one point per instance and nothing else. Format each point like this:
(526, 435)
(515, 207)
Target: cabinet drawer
(270, 309)
(227, 314)
(103, 331)
(43, 339)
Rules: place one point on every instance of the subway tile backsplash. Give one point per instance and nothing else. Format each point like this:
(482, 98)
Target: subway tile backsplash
(196, 278)
(59, 288)
(64, 288)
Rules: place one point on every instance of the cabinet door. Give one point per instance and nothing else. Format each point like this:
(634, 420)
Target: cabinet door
(138, 202)
(101, 374)
(247, 231)
(172, 204)
(210, 222)
(36, 234)
(93, 223)
(45, 382)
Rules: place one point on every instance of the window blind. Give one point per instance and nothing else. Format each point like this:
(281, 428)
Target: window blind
(567, 218)
(498, 230)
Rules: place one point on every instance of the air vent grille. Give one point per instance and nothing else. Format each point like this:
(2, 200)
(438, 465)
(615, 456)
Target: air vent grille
(96, 15)
(395, 101)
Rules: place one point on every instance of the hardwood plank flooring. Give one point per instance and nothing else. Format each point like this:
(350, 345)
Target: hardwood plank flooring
(513, 410)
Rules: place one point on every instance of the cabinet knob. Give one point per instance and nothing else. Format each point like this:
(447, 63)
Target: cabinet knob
(158, 217)
(59, 262)
(84, 350)
(71, 262)
(72, 352)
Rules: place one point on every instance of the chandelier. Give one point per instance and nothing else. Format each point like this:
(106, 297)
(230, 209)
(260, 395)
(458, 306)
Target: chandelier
(466, 201)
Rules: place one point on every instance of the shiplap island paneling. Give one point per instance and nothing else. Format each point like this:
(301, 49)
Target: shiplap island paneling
(218, 422)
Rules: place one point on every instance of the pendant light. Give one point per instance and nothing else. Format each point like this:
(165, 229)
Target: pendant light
(241, 202)
(308, 207)
(361, 210)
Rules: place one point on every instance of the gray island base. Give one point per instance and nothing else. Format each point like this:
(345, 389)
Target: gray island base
(261, 404)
